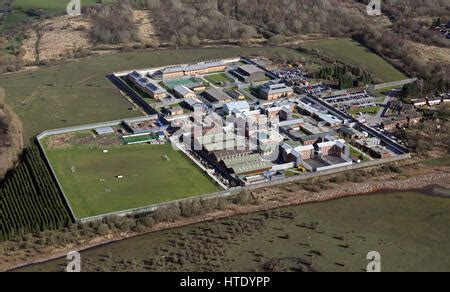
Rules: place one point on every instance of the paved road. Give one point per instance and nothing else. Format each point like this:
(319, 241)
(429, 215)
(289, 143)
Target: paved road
(382, 112)
(378, 118)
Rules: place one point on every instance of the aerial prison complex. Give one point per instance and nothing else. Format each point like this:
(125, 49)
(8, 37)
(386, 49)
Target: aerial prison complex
(256, 125)
(307, 128)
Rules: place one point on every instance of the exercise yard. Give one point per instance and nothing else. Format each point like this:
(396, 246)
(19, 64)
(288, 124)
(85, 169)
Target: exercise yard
(151, 174)
(219, 79)
(172, 83)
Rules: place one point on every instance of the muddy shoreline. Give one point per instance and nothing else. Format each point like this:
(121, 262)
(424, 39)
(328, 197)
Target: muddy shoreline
(420, 182)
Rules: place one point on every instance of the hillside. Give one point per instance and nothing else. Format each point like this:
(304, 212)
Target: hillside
(10, 136)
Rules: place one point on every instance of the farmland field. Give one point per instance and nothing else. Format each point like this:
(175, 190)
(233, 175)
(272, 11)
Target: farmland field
(89, 177)
(353, 53)
(51, 6)
(78, 92)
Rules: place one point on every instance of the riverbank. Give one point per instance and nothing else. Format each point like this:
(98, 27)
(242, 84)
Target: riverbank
(417, 177)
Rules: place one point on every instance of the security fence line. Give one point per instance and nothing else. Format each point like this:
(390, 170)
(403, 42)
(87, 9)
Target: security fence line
(236, 190)
(373, 87)
(75, 129)
(222, 194)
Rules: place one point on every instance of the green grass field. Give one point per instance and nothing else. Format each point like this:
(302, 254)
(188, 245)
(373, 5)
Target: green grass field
(368, 110)
(51, 6)
(12, 19)
(218, 79)
(353, 53)
(443, 161)
(93, 189)
(78, 92)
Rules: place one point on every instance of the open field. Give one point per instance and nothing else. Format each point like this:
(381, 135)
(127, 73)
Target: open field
(368, 110)
(443, 161)
(51, 6)
(12, 19)
(89, 177)
(353, 53)
(78, 93)
(407, 229)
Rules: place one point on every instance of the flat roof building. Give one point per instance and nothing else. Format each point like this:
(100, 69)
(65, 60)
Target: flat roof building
(215, 95)
(193, 69)
(155, 91)
(236, 106)
(192, 103)
(434, 100)
(273, 91)
(143, 83)
(184, 92)
(175, 111)
(247, 165)
(104, 131)
(420, 102)
(250, 73)
(236, 94)
(349, 132)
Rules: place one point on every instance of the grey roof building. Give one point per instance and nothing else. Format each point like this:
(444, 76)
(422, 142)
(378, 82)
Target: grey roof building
(250, 73)
(215, 95)
(272, 90)
(184, 92)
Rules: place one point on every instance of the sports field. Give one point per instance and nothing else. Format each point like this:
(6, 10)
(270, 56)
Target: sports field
(351, 52)
(89, 177)
(219, 79)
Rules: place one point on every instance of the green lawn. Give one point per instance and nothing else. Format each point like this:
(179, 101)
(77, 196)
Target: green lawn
(351, 52)
(51, 6)
(93, 189)
(12, 19)
(78, 92)
(356, 153)
(443, 161)
(368, 110)
(219, 79)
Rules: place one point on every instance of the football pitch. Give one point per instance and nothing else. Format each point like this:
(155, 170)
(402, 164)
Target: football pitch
(149, 174)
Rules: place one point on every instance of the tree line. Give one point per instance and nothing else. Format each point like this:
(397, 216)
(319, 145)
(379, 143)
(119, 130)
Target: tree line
(347, 76)
(113, 23)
